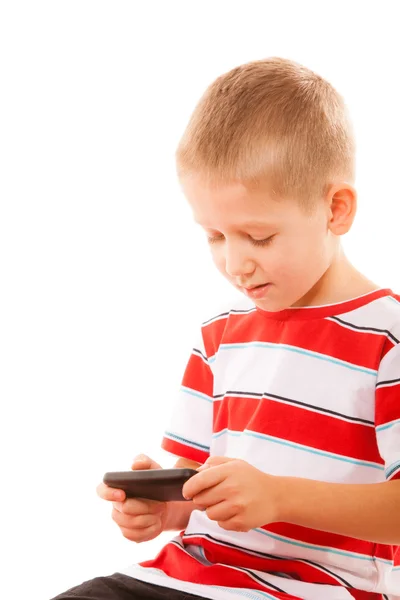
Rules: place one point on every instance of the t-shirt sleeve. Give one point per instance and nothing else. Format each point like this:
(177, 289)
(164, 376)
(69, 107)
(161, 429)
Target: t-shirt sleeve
(190, 429)
(387, 412)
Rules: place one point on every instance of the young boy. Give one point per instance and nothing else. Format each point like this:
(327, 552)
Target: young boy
(290, 403)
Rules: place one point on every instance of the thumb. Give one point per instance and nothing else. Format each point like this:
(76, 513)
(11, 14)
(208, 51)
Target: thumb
(144, 462)
(214, 461)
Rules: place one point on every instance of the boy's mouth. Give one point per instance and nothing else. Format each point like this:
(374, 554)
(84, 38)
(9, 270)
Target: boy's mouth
(257, 291)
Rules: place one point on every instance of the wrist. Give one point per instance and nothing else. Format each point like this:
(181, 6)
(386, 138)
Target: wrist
(281, 498)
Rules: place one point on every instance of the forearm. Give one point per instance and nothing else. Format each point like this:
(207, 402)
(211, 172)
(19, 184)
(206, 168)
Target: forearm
(364, 511)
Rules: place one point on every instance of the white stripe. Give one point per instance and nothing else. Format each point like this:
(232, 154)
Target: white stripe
(306, 591)
(303, 378)
(236, 311)
(195, 393)
(356, 329)
(382, 313)
(281, 458)
(389, 367)
(388, 435)
(199, 427)
(299, 350)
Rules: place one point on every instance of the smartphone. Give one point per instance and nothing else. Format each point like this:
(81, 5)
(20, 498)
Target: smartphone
(164, 485)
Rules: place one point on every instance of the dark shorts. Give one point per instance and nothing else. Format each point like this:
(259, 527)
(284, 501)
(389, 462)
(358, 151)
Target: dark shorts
(122, 587)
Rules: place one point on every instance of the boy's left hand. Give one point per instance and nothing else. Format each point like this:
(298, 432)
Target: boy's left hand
(234, 493)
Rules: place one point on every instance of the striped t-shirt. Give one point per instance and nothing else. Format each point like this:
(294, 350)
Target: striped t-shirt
(308, 392)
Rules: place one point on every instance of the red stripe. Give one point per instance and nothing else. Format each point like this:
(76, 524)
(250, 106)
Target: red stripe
(178, 564)
(298, 425)
(219, 553)
(387, 347)
(212, 335)
(198, 376)
(180, 449)
(324, 337)
(357, 347)
(386, 552)
(361, 595)
(321, 538)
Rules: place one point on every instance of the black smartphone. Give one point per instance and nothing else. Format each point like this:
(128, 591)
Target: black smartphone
(164, 485)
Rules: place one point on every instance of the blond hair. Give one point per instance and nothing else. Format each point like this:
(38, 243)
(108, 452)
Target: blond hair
(271, 122)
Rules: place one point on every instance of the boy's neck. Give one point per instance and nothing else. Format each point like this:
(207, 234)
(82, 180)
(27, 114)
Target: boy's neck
(341, 282)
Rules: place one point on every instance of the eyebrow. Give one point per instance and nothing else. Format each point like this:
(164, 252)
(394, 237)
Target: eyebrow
(248, 224)
(256, 224)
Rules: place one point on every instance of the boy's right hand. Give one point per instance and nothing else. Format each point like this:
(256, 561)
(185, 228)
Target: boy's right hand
(139, 520)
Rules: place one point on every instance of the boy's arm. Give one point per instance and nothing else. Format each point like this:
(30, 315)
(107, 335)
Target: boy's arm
(179, 512)
(365, 511)
(368, 512)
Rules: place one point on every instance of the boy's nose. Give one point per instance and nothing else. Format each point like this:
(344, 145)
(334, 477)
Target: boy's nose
(239, 266)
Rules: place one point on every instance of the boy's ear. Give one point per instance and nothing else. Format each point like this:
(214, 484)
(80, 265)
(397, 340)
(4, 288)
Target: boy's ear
(342, 205)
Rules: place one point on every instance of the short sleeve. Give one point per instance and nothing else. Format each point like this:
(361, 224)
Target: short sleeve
(387, 412)
(190, 429)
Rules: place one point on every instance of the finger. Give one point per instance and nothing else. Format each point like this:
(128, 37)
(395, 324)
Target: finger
(136, 506)
(222, 511)
(202, 481)
(144, 462)
(141, 535)
(140, 522)
(209, 497)
(214, 461)
(108, 493)
(233, 524)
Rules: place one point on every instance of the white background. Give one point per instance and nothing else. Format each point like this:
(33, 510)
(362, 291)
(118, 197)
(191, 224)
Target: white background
(104, 277)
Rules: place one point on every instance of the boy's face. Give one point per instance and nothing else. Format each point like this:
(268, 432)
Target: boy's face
(257, 240)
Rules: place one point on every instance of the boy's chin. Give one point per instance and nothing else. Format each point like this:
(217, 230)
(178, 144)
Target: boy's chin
(270, 305)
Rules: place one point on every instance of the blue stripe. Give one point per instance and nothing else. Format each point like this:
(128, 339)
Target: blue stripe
(393, 300)
(269, 438)
(323, 548)
(388, 425)
(196, 394)
(177, 438)
(316, 355)
(392, 469)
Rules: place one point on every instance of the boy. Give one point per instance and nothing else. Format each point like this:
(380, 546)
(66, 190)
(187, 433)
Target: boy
(290, 404)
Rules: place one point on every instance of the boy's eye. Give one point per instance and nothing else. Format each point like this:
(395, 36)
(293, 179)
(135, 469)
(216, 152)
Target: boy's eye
(214, 238)
(264, 242)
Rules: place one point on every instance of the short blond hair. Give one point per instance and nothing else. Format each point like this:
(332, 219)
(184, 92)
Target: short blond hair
(271, 122)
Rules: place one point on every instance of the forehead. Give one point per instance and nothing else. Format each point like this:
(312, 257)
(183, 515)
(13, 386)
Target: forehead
(234, 205)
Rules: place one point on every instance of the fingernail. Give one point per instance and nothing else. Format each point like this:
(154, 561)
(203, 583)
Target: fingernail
(140, 458)
(117, 496)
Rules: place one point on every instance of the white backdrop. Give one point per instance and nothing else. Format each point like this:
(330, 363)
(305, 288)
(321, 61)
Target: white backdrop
(104, 277)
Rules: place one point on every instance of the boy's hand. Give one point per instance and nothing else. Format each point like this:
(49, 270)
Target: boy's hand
(139, 520)
(234, 493)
